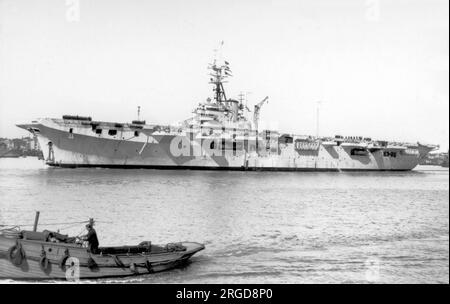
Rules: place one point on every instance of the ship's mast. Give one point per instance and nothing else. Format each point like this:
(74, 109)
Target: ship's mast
(219, 73)
(241, 98)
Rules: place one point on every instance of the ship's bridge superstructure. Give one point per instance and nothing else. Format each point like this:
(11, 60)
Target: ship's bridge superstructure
(220, 111)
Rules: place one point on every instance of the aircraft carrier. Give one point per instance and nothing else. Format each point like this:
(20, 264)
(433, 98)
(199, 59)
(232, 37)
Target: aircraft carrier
(222, 134)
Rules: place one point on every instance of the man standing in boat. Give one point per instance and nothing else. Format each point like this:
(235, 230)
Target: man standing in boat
(91, 237)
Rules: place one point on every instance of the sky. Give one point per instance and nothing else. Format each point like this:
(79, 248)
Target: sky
(374, 68)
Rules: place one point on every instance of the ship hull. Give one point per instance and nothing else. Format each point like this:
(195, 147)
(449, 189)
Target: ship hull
(79, 147)
(106, 266)
(212, 168)
(33, 271)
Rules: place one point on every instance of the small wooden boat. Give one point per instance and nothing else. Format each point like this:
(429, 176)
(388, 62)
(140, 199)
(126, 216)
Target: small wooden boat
(32, 255)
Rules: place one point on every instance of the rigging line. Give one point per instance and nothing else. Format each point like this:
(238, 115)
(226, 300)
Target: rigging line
(52, 224)
(68, 227)
(45, 224)
(1, 225)
(10, 227)
(81, 231)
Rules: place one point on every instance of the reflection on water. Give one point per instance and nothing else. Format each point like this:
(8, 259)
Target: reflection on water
(257, 226)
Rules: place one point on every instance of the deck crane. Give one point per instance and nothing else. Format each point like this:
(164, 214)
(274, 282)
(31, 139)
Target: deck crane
(256, 111)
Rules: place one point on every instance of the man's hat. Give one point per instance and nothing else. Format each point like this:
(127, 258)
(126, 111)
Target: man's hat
(90, 224)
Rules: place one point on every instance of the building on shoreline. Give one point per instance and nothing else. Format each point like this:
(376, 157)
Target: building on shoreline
(436, 159)
(19, 147)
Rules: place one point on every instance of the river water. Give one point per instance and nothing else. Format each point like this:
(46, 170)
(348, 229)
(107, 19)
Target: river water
(258, 227)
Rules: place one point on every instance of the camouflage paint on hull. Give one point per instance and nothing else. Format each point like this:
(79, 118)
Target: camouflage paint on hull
(81, 147)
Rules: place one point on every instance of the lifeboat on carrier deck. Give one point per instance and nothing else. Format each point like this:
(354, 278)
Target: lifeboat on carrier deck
(395, 147)
(329, 143)
(354, 145)
(31, 255)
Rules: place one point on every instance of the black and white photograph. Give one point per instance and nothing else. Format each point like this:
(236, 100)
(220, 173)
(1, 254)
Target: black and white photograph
(224, 143)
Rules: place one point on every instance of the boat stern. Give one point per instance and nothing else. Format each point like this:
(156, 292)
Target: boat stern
(192, 247)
